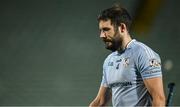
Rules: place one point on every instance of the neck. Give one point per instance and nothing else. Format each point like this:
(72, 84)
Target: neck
(125, 40)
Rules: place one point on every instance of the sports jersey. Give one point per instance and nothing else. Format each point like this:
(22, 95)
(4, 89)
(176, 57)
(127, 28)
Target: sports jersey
(125, 71)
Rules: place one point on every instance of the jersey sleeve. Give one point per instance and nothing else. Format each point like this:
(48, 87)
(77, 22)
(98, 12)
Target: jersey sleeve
(104, 80)
(148, 63)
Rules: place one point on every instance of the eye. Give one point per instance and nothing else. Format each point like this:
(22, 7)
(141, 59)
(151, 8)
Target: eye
(105, 29)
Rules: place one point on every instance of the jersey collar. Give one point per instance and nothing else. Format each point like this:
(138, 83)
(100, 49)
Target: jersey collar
(127, 47)
(129, 44)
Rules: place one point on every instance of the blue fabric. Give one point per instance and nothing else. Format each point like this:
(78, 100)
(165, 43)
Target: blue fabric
(125, 71)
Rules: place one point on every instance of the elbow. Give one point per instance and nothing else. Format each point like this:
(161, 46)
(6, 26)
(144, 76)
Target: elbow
(159, 100)
(102, 102)
(97, 102)
(162, 99)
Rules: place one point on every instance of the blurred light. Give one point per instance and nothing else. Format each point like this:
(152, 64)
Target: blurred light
(145, 14)
(168, 65)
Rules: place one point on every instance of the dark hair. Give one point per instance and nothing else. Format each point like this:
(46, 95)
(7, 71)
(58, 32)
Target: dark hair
(117, 15)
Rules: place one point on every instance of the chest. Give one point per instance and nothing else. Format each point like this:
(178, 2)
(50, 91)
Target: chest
(121, 69)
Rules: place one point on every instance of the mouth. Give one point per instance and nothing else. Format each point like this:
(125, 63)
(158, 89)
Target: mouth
(106, 40)
(108, 44)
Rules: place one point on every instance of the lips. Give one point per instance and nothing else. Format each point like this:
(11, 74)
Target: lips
(107, 42)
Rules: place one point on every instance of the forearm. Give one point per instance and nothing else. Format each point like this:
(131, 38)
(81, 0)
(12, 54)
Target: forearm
(155, 88)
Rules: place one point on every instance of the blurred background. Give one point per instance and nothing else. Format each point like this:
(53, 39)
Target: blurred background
(51, 53)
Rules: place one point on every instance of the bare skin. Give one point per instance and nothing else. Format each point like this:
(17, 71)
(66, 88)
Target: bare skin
(103, 97)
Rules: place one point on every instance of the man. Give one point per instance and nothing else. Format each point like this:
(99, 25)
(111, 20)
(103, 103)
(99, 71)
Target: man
(132, 72)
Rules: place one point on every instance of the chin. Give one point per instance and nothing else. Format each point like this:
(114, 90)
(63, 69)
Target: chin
(111, 48)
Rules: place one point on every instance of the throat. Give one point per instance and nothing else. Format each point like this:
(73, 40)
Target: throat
(124, 45)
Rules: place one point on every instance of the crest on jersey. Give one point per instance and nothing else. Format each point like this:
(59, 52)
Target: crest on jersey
(126, 62)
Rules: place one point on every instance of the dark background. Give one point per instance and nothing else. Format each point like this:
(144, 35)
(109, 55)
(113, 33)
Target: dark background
(51, 53)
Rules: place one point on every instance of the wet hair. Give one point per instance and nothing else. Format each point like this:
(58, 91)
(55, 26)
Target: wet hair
(117, 15)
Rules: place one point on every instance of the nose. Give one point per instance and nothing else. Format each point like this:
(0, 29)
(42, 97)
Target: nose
(103, 34)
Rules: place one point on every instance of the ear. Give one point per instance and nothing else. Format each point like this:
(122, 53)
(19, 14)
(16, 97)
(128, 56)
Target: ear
(122, 28)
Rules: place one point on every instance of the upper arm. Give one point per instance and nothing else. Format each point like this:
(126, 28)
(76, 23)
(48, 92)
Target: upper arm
(155, 87)
(149, 66)
(104, 91)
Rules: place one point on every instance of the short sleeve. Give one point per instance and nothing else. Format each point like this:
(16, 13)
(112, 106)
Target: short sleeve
(104, 79)
(148, 63)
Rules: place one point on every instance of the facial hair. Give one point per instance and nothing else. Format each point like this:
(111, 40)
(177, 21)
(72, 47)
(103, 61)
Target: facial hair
(115, 43)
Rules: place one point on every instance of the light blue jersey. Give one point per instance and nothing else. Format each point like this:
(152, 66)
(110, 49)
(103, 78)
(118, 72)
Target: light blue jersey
(124, 73)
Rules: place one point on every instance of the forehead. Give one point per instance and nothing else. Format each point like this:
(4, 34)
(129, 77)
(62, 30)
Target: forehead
(103, 24)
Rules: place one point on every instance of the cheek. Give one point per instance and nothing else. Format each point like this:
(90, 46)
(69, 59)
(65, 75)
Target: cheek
(111, 34)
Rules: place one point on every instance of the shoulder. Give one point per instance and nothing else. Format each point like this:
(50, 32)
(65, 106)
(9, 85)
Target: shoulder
(142, 49)
(108, 58)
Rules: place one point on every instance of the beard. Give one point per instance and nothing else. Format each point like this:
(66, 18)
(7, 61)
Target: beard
(115, 42)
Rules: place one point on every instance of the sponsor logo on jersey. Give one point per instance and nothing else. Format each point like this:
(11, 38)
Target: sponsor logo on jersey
(154, 63)
(121, 84)
(110, 64)
(151, 72)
